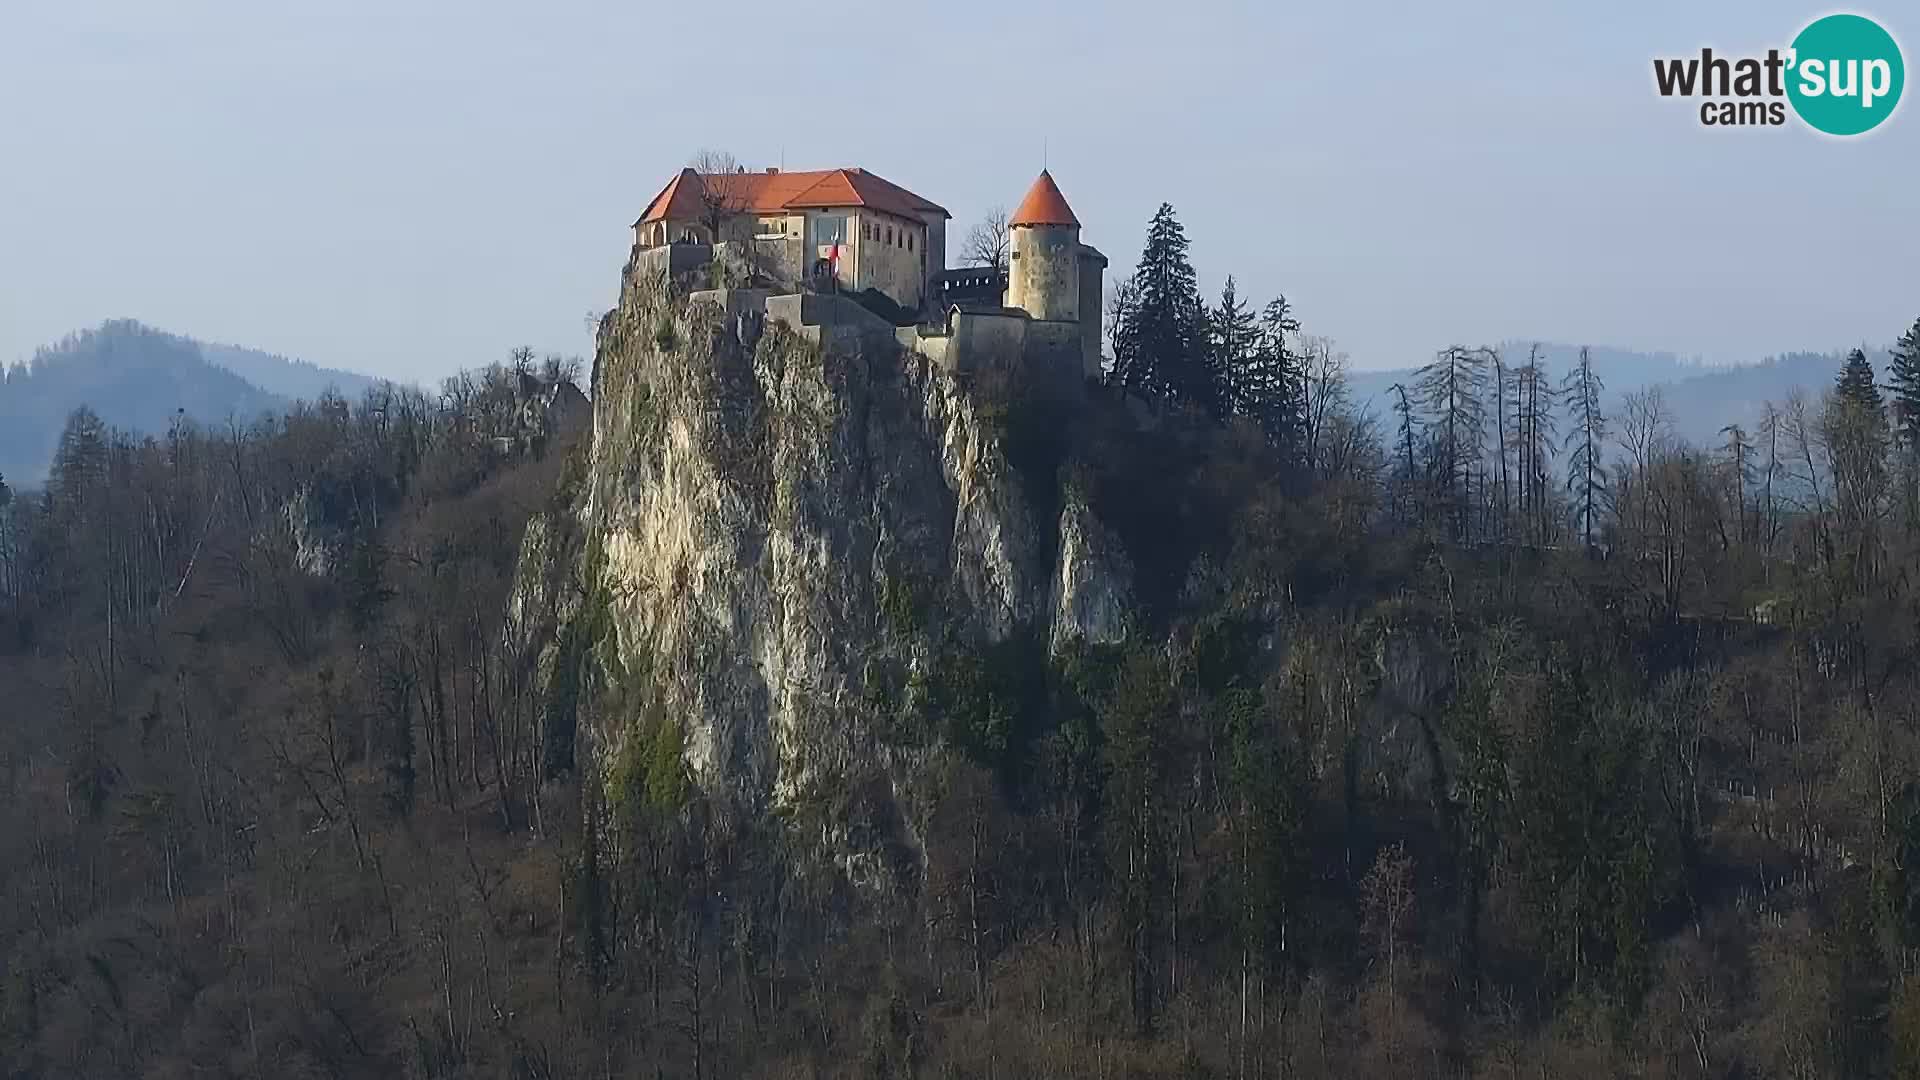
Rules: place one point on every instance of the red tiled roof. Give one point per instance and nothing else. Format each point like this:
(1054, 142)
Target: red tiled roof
(1044, 205)
(764, 192)
(683, 197)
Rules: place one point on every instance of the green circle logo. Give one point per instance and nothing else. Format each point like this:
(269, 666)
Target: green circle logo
(1845, 74)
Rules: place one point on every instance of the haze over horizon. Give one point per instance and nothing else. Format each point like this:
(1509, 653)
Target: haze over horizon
(405, 193)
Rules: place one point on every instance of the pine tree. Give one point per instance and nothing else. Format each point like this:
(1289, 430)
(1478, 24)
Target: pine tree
(1234, 340)
(1159, 344)
(1587, 433)
(1903, 378)
(1281, 396)
(365, 582)
(1855, 383)
(1533, 431)
(1410, 485)
(1771, 422)
(80, 463)
(1738, 464)
(1264, 818)
(1855, 429)
(1134, 727)
(1502, 440)
(1260, 374)
(1452, 391)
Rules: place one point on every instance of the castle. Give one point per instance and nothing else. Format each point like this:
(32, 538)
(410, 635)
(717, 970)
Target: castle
(844, 254)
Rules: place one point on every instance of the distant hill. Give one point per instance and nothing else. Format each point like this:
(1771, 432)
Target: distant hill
(1620, 369)
(1703, 398)
(140, 379)
(135, 377)
(1706, 403)
(287, 378)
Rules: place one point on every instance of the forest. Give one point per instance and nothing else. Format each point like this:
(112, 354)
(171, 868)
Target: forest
(1494, 736)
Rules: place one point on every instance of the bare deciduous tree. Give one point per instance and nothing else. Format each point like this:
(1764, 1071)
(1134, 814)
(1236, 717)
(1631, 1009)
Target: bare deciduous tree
(1324, 378)
(720, 198)
(1647, 428)
(1122, 295)
(1808, 462)
(1387, 901)
(986, 243)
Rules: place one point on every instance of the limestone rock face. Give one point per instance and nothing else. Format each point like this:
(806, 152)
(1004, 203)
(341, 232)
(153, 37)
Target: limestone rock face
(1090, 597)
(768, 521)
(319, 546)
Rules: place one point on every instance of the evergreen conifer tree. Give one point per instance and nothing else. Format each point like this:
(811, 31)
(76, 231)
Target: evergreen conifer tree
(1159, 345)
(1452, 392)
(1903, 379)
(1134, 727)
(1258, 372)
(1234, 339)
(1586, 434)
(1263, 831)
(1856, 382)
(1280, 399)
(1855, 429)
(1533, 438)
(1903, 382)
(80, 462)
(1409, 471)
(1737, 462)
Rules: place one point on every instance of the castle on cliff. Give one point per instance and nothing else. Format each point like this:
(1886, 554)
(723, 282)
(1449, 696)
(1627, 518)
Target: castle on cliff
(843, 253)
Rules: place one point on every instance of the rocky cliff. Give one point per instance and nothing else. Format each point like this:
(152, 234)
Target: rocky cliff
(770, 542)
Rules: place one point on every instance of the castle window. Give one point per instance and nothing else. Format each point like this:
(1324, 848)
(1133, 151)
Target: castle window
(909, 241)
(889, 234)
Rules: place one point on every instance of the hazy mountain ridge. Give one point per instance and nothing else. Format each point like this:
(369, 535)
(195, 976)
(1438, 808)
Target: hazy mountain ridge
(140, 379)
(134, 377)
(1621, 369)
(286, 377)
(1704, 405)
(1702, 399)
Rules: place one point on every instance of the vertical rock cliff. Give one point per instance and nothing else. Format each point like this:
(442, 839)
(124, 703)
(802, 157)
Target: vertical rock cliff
(772, 538)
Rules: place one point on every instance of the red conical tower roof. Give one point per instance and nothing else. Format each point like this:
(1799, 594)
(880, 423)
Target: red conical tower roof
(1044, 205)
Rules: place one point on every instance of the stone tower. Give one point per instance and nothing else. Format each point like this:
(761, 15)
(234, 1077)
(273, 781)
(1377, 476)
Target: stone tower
(1043, 249)
(1051, 275)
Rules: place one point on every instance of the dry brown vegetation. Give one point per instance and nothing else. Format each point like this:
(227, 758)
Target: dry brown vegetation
(1419, 787)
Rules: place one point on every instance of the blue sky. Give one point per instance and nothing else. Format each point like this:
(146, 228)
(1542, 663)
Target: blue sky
(405, 188)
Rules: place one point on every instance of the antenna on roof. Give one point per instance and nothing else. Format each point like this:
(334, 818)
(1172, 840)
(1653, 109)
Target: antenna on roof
(1043, 153)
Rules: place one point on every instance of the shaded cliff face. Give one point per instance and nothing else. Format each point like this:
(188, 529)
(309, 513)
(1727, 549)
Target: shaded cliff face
(774, 538)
